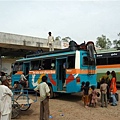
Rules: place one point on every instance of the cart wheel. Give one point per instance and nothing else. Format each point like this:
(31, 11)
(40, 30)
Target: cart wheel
(23, 101)
(15, 109)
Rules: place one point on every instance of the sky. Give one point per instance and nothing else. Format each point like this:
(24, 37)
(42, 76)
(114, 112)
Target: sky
(77, 19)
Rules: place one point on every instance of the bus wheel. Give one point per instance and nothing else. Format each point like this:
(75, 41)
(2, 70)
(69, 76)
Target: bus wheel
(51, 92)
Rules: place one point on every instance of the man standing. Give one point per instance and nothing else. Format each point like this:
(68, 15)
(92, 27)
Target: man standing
(50, 42)
(44, 92)
(107, 81)
(5, 102)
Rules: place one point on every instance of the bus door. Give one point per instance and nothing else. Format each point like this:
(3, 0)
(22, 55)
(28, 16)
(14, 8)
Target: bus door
(60, 73)
(26, 67)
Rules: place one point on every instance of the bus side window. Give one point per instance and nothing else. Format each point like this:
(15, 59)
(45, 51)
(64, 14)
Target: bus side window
(53, 61)
(114, 60)
(47, 64)
(35, 65)
(21, 66)
(85, 60)
(15, 68)
(41, 65)
(71, 62)
(102, 61)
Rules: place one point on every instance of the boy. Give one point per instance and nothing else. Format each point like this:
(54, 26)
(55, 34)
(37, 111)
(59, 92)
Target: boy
(44, 92)
(103, 90)
(86, 94)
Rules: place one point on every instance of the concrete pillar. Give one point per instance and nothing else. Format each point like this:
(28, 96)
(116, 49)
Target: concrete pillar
(0, 59)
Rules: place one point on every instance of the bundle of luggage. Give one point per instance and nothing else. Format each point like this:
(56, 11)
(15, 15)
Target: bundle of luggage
(117, 97)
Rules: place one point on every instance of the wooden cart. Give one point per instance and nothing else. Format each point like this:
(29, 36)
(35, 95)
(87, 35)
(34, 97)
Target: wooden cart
(21, 101)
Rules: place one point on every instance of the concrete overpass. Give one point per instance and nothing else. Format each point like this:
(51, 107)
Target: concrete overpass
(13, 46)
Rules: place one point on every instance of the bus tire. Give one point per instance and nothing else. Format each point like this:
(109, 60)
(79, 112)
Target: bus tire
(51, 92)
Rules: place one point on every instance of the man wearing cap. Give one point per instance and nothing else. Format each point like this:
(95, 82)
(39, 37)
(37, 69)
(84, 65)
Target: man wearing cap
(5, 101)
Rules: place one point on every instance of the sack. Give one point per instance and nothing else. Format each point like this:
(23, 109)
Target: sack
(98, 94)
(117, 96)
(111, 99)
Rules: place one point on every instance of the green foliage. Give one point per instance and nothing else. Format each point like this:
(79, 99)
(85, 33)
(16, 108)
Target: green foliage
(116, 43)
(66, 39)
(103, 42)
(58, 38)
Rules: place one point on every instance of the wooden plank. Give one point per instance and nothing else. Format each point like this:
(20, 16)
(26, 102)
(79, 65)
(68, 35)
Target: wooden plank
(25, 101)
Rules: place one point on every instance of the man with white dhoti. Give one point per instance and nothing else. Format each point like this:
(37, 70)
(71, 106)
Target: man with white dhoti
(5, 103)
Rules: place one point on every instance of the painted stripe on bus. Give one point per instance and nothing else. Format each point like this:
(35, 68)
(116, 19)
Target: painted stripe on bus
(19, 72)
(108, 66)
(68, 71)
(80, 71)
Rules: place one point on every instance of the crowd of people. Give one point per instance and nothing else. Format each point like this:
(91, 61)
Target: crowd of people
(107, 93)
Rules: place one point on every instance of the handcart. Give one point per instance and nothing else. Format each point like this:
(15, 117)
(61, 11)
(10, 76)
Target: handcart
(21, 101)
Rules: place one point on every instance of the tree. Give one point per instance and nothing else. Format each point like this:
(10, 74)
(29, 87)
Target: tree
(116, 43)
(58, 38)
(66, 39)
(119, 35)
(103, 42)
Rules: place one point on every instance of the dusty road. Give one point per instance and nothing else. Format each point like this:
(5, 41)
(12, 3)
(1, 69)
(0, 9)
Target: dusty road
(70, 107)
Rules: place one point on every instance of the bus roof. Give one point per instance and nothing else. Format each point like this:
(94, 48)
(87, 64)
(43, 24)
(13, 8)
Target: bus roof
(108, 50)
(108, 53)
(67, 51)
(46, 55)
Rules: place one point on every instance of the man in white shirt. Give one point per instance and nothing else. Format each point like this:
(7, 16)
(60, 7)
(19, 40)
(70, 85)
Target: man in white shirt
(44, 91)
(5, 103)
(50, 42)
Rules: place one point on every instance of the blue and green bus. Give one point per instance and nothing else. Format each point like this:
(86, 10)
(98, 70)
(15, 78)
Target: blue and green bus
(67, 66)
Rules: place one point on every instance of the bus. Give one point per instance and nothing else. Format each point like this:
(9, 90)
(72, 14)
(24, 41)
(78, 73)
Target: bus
(108, 60)
(69, 67)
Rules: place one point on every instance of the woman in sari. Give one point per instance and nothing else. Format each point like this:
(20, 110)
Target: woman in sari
(113, 88)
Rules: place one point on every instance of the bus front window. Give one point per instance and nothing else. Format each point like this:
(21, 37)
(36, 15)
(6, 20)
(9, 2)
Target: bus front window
(71, 61)
(15, 68)
(87, 61)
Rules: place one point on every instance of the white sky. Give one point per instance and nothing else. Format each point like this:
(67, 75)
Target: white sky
(80, 20)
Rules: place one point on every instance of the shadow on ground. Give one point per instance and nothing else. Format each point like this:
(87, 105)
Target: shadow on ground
(70, 97)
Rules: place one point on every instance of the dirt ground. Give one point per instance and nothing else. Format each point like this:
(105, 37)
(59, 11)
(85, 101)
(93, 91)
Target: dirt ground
(70, 107)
